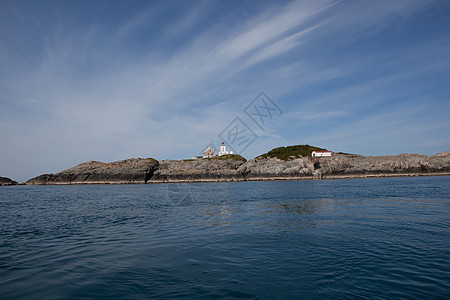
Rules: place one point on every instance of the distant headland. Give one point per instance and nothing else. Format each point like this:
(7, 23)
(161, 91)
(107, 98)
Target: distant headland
(7, 181)
(284, 163)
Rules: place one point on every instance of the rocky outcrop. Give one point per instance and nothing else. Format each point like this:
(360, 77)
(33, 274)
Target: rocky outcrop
(347, 165)
(202, 170)
(273, 168)
(393, 165)
(134, 170)
(7, 181)
(198, 170)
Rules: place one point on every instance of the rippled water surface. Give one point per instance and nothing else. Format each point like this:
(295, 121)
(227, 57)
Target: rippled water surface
(355, 238)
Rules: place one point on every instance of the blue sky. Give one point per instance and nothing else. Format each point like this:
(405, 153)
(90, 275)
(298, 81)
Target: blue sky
(109, 80)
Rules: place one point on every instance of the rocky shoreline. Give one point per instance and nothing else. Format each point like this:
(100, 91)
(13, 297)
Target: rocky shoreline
(339, 166)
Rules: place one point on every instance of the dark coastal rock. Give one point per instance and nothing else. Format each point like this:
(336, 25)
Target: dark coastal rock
(7, 181)
(134, 170)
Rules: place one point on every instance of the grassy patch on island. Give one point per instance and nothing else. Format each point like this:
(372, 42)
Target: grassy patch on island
(153, 160)
(291, 152)
(229, 156)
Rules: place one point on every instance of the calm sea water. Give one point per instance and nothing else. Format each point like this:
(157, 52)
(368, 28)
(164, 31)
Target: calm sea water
(356, 238)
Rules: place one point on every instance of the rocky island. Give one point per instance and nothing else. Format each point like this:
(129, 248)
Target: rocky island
(7, 181)
(283, 163)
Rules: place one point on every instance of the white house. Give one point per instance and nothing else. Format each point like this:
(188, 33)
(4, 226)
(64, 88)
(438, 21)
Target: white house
(321, 154)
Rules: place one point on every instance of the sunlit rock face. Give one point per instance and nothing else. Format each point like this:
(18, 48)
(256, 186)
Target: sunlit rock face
(274, 167)
(392, 164)
(198, 170)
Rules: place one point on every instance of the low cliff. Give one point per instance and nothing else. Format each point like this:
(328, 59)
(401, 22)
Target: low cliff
(7, 181)
(272, 168)
(402, 164)
(134, 170)
(199, 170)
(238, 169)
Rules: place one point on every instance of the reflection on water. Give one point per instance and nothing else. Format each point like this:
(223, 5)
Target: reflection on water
(291, 215)
(217, 215)
(298, 207)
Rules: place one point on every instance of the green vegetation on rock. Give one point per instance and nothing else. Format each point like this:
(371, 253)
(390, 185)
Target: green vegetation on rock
(229, 156)
(291, 152)
(153, 160)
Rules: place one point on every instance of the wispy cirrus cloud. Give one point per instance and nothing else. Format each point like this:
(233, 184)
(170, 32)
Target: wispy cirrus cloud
(162, 80)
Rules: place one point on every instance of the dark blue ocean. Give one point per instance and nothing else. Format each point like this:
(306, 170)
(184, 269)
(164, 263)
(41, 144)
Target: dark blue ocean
(385, 238)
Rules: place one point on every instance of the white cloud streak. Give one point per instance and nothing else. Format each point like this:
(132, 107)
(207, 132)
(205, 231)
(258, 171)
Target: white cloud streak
(92, 93)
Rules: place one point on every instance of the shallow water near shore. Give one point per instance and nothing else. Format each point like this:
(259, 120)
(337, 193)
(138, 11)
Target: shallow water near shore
(369, 238)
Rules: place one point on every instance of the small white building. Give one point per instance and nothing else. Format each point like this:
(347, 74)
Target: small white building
(321, 154)
(223, 150)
